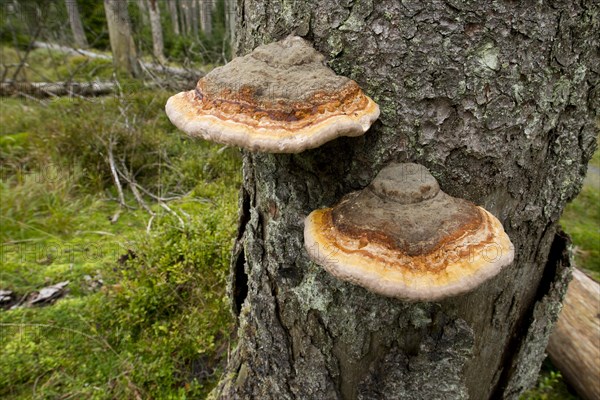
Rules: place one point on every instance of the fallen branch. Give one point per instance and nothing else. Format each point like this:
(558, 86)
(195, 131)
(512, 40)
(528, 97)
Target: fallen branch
(133, 186)
(574, 345)
(136, 188)
(47, 89)
(181, 72)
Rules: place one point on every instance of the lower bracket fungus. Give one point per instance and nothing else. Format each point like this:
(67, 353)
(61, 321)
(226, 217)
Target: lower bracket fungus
(403, 237)
(280, 98)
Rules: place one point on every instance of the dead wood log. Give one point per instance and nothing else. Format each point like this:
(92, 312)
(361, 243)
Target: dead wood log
(47, 89)
(574, 346)
(181, 73)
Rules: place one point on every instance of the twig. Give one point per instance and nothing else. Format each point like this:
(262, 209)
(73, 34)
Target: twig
(149, 226)
(134, 189)
(168, 209)
(29, 48)
(160, 198)
(102, 233)
(113, 170)
(115, 217)
(140, 199)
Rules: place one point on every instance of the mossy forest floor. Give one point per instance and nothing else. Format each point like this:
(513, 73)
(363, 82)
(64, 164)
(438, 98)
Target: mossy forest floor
(146, 314)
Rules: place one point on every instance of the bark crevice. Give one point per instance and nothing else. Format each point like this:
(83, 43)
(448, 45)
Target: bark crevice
(558, 257)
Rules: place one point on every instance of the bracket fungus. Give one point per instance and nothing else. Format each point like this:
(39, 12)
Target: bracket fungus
(403, 237)
(280, 98)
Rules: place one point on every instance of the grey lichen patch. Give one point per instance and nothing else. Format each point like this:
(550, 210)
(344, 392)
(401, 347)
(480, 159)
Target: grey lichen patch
(361, 9)
(335, 44)
(420, 316)
(312, 295)
(487, 57)
(561, 92)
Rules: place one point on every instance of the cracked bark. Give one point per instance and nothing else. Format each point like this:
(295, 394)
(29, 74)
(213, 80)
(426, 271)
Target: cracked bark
(499, 101)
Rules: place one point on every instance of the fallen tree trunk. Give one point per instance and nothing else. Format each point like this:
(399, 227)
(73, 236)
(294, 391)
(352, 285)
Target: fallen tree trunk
(179, 72)
(47, 89)
(574, 346)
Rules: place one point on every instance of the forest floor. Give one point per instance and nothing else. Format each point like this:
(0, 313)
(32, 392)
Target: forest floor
(145, 313)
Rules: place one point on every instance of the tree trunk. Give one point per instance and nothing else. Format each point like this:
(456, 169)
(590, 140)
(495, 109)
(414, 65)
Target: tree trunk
(574, 345)
(158, 47)
(121, 39)
(194, 16)
(174, 16)
(76, 25)
(46, 89)
(499, 101)
(184, 15)
(206, 16)
(143, 11)
(230, 18)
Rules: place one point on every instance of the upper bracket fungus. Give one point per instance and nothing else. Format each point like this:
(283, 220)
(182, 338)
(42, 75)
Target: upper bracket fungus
(403, 237)
(280, 98)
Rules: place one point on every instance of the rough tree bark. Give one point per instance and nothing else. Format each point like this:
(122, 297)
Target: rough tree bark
(76, 25)
(121, 39)
(158, 46)
(499, 101)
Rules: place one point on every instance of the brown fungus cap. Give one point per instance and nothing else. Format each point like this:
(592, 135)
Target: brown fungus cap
(403, 237)
(280, 98)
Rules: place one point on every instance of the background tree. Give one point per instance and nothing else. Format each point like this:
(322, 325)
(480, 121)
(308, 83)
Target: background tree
(206, 7)
(143, 11)
(193, 18)
(121, 39)
(184, 15)
(230, 13)
(158, 46)
(500, 102)
(172, 4)
(75, 22)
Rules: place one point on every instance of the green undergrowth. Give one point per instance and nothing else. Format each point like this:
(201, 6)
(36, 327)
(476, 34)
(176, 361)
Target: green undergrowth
(146, 314)
(550, 386)
(45, 65)
(581, 219)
